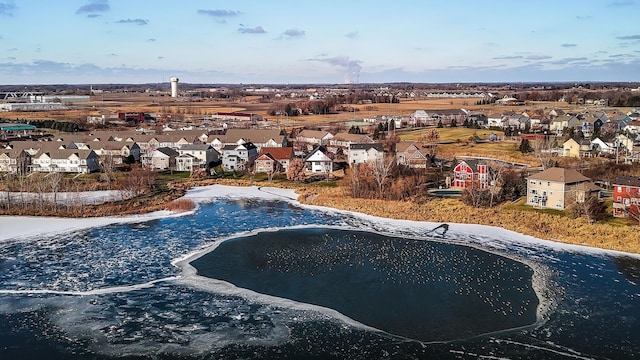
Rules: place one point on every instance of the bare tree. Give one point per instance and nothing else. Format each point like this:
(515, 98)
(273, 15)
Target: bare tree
(55, 181)
(543, 151)
(296, 170)
(431, 138)
(589, 206)
(275, 167)
(108, 167)
(494, 181)
(381, 172)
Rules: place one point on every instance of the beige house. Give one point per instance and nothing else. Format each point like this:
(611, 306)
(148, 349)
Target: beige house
(555, 187)
(575, 148)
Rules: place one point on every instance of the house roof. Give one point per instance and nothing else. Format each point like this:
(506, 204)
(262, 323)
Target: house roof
(168, 151)
(562, 175)
(351, 137)
(321, 149)
(315, 134)
(473, 164)
(258, 136)
(403, 146)
(367, 146)
(196, 147)
(278, 153)
(626, 180)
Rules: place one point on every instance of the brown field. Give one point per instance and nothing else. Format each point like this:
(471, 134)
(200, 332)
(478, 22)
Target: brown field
(136, 102)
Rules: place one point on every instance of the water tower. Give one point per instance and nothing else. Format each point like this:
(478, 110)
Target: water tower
(174, 86)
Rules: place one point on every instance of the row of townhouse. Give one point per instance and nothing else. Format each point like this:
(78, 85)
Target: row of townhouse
(179, 150)
(433, 117)
(27, 157)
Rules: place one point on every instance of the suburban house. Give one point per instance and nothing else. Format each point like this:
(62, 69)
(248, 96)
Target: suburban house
(161, 158)
(13, 161)
(601, 147)
(626, 196)
(420, 118)
(314, 137)
(576, 148)
(624, 143)
(560, 122)
(319, 161)
(118, 151)
(260, 138)
(204, 154)
(238, 157)
(517, 121)
(274, 159)
(65, 161)
(365, 153)
(344, 139)
(471, 174)
(186, 162)
(409, 153)
(556, 187)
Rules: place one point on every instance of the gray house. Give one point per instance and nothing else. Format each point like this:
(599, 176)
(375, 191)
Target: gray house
(162, 158)
(238, 157)
(204, 155)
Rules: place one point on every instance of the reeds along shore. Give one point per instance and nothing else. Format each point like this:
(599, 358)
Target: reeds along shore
(544, 226)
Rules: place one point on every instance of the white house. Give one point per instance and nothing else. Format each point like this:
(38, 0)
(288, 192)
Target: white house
(314, 137)
(203, 154)
(602, 147)
(161, 158)
(319, 161)
(238, 157)
(366, 152)
(66, 161)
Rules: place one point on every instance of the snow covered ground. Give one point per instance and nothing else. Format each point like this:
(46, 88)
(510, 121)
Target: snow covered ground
(20, 226)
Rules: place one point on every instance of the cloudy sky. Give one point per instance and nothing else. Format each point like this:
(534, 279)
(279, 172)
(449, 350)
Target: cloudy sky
(328, 41)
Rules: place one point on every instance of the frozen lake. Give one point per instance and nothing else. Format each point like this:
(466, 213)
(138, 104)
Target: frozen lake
(287, 281)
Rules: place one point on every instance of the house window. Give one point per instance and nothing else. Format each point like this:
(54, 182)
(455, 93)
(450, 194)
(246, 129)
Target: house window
(559, 204)
(619, 188)
(619, 199)
(628, 190)
(534, 191)
(532, 182)
(548, 183)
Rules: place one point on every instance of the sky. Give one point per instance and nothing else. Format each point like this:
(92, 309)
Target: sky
(319, 42)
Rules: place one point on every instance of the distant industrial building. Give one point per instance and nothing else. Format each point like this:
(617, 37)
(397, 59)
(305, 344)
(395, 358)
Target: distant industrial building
(31, 106)
(8, 130)
(136, 117)
(64, 99)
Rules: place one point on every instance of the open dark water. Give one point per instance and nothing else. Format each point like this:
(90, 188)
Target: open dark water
(380, 290)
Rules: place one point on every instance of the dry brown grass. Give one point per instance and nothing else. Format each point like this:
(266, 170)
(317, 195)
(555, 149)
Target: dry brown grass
(538, 224)
(180, 205)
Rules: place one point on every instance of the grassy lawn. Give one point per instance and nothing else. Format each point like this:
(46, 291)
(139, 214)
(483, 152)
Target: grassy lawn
(449, 135)
(458, 142)
(520, 205)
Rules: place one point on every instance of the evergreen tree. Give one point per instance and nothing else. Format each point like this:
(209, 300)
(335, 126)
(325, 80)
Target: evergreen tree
(525, 146)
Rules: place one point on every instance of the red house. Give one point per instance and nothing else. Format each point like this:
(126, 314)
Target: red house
(471, 174)
(626, 196)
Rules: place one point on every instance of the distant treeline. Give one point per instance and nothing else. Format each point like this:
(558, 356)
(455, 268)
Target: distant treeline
(65, 126)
